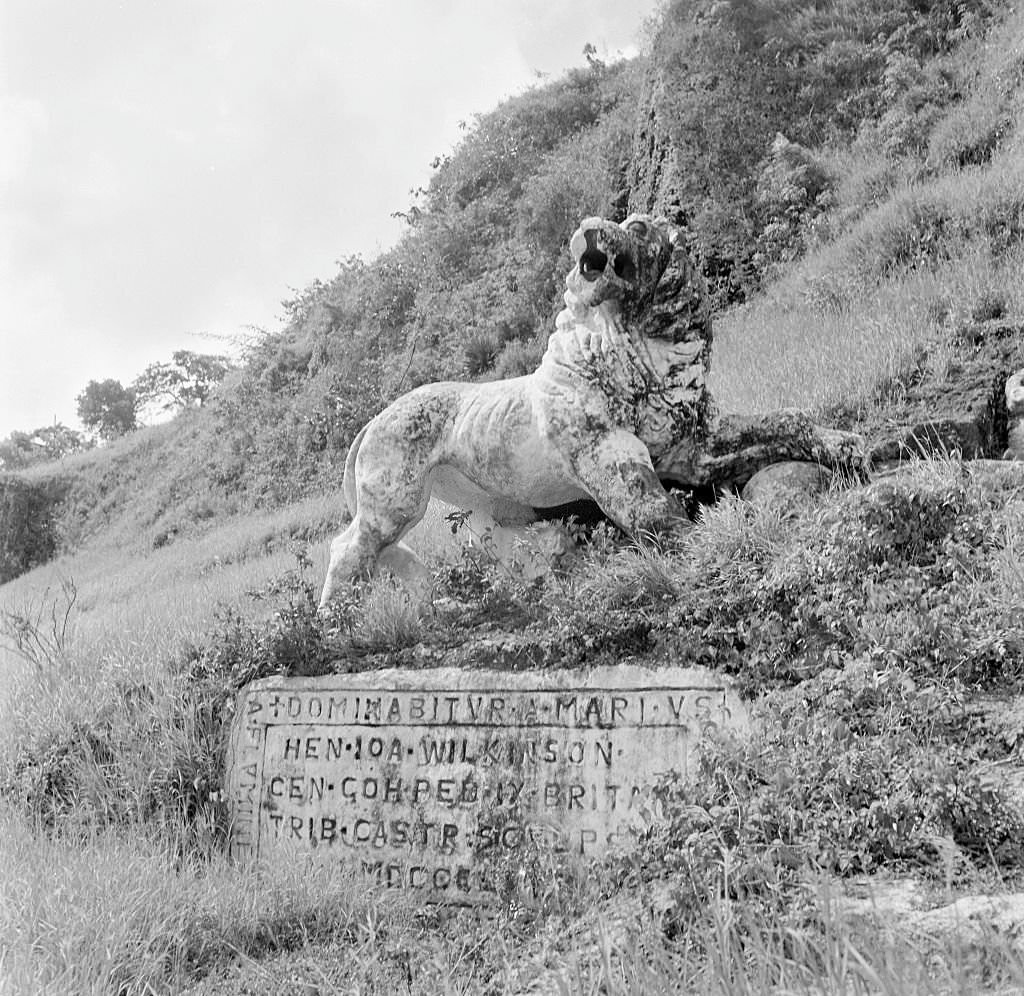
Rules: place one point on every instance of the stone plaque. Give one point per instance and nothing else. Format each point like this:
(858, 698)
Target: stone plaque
(430, 778)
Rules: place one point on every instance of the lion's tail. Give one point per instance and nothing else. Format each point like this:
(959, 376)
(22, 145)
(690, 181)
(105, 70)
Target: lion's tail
(348, 483)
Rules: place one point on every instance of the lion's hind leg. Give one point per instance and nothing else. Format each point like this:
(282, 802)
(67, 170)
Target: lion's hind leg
(404, 566)
(388, 504)
(371, 543)
(352, 552)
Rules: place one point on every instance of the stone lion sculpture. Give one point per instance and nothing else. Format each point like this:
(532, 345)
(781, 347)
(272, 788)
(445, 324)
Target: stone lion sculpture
(618, 403)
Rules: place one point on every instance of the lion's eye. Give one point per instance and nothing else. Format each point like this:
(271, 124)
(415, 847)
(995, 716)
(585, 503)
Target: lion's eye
(637, 228)
(625, 268)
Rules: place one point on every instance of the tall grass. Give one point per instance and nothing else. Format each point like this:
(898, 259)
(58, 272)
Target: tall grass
(732, 951)
(828, 337)
(135, 607)
(119, 913)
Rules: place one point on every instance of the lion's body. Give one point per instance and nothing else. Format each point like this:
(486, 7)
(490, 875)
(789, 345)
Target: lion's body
(505, 448)
(458, 437)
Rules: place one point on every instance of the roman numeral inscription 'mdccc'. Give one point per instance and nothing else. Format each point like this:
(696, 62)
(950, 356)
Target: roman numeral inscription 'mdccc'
(425, 778)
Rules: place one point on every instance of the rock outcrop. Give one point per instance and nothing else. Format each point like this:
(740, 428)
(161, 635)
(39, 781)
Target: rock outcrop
(1015, 417)
(963, 410)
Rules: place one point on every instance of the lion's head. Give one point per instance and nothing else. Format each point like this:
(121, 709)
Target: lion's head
(621, 263)
(637, 326)
(641, 265)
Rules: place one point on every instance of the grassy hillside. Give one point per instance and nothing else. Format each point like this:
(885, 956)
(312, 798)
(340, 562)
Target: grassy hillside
(869, 96)
(880, 630)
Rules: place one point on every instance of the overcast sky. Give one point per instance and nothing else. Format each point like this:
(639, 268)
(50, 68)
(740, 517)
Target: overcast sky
(171, 168)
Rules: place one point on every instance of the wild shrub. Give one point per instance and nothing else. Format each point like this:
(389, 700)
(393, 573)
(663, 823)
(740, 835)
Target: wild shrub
(38, 632)
(28, 523)
(793, 188)
(153, 752)
(479, 353)
(486, 590)
(503, 145)
(895, 573)
(969, 135)
(924, 224)
(974, 130)
(583, 177)
(519, 357)
(847, 773)
(903, 573)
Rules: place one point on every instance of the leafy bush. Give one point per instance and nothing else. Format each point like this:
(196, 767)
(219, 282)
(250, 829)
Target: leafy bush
(504, 145)
(849, 772)
(793, 188)
(480, 352)
(584, 176)
(519, 357)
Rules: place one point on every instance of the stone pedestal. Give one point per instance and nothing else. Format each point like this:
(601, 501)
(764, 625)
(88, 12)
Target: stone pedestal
(430, 780)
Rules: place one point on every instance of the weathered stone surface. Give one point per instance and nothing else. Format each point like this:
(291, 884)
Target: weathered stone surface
(879, 897)
(908, 907)
(734, 447)
(432, 779)
(619, 404)
(782, 482)
(972, 920)
(1015, 417)
(964, 433)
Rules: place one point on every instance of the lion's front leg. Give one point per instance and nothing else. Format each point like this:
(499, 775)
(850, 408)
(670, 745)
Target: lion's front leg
(617, 471)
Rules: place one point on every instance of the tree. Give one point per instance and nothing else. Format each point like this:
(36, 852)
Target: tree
(108, 408)
(50, 442)
(187, 380)
(56, 441)
(16, 451)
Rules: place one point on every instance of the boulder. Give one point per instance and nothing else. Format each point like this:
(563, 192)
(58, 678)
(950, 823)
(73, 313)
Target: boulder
(786, 481)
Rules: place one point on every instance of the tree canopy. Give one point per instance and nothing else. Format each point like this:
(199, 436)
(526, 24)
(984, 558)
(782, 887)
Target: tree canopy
(108, 408)
(49, 442)
(187, 380)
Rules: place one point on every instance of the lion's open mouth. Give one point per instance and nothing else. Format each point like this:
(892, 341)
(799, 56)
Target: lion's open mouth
(592, 263)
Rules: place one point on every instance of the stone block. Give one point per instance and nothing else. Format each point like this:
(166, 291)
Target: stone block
(432, 779)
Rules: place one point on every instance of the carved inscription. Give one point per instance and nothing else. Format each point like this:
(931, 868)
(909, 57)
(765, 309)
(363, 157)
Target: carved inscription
(421, 777)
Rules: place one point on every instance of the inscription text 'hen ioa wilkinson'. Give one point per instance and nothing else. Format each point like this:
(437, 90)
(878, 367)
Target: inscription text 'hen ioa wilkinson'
(424, 777)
